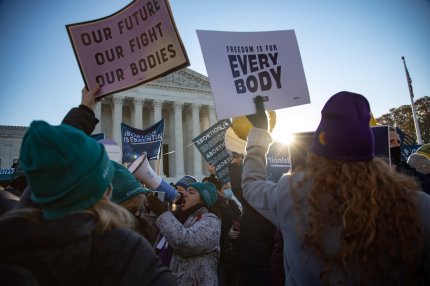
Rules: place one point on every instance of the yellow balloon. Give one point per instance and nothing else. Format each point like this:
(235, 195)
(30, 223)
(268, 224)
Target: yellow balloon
(241, 125)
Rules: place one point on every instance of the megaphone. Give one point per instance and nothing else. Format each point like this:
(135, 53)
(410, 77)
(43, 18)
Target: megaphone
(142, 171)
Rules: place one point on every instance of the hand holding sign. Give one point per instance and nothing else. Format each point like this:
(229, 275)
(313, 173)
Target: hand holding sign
(89, 97)
(259, 119)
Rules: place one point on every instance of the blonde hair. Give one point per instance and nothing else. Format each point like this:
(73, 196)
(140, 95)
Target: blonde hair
(107, 214)
(135, 203)
(375, 210)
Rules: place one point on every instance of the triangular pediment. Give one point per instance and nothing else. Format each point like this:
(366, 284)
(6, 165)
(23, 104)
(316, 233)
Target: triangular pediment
(185, 78)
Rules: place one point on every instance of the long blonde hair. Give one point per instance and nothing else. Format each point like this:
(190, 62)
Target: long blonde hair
(107, 214)
(375, 211)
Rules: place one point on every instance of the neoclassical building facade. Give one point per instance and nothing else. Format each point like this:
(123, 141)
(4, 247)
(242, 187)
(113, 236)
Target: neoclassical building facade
(183, 99)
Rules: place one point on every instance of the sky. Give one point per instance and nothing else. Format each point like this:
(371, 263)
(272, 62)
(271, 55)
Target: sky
(353, 45)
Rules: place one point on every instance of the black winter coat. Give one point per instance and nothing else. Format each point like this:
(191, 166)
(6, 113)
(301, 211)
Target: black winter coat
(82, 118)
(66, 252)
(256, 239)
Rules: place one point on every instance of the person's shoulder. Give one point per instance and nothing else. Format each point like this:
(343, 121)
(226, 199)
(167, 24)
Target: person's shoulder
(121, 240)
(120, 235)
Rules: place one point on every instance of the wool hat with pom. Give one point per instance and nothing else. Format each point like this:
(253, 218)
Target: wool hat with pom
(125, 185)
(344, 133)
(207, 192)
(66, 169)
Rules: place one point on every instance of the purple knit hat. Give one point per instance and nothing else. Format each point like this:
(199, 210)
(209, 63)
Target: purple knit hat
(344, 132)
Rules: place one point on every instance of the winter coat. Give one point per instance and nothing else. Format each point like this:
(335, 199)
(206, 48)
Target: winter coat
(256, 239)
(422, 179)
(66, 252)
(82, 118)
(195, 246)
(275, 202)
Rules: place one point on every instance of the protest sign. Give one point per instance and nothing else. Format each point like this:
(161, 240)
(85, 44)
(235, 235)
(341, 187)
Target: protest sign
(98, 136)
(6, 174)
(136, 141)
(278, 161)
(211, 145)
(408, 150)
(135, 45)
(381, 138)
(242, 65)
(299, 148)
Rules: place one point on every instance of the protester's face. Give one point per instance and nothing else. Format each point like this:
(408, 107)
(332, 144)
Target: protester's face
(394, 139)
(221, 191)
(181, 189)
(191, 198)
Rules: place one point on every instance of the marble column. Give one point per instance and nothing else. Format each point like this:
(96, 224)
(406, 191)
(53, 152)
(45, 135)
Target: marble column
(179, 148)
(117, 118)
(157, 108)
(212, 117)
(138, 105)
(98, 114)
(196, 132)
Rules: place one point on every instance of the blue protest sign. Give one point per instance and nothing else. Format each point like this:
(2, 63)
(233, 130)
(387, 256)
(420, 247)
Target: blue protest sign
(211, 144)
(137, 141)
(98, 136)
(278, 161)
(6, 174)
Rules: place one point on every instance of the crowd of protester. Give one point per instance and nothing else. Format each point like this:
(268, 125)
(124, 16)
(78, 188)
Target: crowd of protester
(72, 216)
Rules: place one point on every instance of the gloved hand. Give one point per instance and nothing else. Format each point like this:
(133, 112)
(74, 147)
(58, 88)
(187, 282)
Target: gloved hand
(178, 199)
(155, 205)
(233, 234)
(259, 119)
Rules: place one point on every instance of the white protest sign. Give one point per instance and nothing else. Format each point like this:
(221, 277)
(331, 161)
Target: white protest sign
(242, 65)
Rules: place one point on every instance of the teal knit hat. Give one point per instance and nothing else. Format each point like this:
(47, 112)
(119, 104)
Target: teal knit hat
(125, 185)
(66, 169)
(207, 192)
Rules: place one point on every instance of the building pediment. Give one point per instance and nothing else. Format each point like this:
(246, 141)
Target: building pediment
(184, 78)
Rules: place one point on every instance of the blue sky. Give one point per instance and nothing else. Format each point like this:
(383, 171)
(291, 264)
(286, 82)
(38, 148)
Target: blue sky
(353, 45)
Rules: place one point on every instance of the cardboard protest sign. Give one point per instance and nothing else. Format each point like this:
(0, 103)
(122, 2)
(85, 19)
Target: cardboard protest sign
(211, 145)
(278, 161)
(135, 45)
(136, 141)
(242, 65)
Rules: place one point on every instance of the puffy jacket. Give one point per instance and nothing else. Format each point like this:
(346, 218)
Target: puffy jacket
(195, 246)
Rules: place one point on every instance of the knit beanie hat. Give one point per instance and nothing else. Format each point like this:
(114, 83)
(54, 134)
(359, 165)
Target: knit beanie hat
(420, 162)
(66, 169)
(207, 192)
(424, 150)
(185, 181)
(125, 185)
(344, 132)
